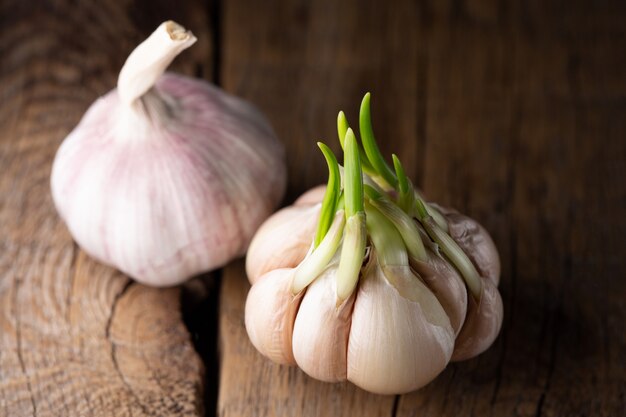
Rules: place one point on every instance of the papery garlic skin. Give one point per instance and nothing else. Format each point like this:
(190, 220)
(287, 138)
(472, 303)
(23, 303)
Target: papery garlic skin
(475, 241)
(270, 314)
(396, 344)
(447, 285)
(283, 240)
(170, 182)
(482, 325)
(321, 330)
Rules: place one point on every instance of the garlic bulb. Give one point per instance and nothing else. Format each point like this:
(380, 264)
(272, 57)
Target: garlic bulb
(381, 289)
(167, 176)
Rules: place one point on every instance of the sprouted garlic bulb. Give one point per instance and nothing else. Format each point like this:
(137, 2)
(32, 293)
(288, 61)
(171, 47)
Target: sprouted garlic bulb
(381, 289)
(167, 176)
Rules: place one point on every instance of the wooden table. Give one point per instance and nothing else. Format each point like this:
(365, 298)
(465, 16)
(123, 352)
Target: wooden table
(512, 111)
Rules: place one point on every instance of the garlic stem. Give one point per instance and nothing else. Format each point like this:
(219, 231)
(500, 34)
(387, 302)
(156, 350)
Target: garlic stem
(403, 183)
(340, 202)
(355, 234)
(402, 221)
(369, 182)
(150, 59)
(385, 238)
(420, 208)
(314, 264)
(369, 144)
(432, 211)
(342, 128)
(405, 189)
(331, 196)
(452, 251)
(352, 253)
(438, 217)
(353, 176)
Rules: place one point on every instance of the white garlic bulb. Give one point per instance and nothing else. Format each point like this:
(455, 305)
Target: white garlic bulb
(380, 288)
(167, 176)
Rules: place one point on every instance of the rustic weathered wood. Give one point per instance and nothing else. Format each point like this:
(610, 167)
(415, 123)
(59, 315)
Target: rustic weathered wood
(525, 132)
(514, 113)
(77, 338)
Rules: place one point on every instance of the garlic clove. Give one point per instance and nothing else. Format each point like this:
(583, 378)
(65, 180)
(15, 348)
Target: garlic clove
(447, 285)
(270, 313)
(313, 196)
(320, 333)
(397, 344)
(283, 240)
(482, 325)
(475, 241)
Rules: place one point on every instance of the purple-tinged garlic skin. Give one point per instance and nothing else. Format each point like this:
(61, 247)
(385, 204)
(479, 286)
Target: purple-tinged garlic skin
(171, 186)
(270, 313)
(400, 338)
(482, 325)
(321, 330)
(283, 240)
(475, 242)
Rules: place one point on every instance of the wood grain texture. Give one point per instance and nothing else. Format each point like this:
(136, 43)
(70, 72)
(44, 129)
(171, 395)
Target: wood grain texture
(78, 338)
(511, 111)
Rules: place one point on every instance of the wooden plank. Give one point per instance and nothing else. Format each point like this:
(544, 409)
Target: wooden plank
(302, 63)
(511, 111)
(77, 338)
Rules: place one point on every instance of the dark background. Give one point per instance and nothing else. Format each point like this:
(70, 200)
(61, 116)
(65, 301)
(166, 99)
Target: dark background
(513, 112)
